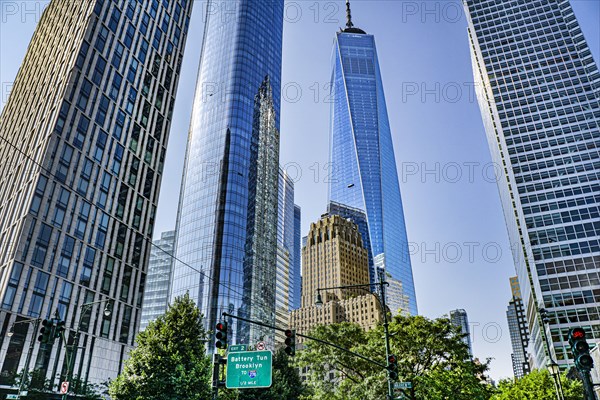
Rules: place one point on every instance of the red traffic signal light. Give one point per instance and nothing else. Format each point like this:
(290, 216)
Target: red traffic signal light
(575, 335)
(578, 333)
(580, 349)
(221, 335)
(392, 366)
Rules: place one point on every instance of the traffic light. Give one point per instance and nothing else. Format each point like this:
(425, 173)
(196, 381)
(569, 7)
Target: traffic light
(290, 342)
(221, 335)
(580, 349)
(46, 333)
(393, 366)
(59, 329)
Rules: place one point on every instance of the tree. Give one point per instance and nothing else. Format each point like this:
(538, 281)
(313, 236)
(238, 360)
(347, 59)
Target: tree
(287, 384)
(431, 355)
(538, 385)
(169, 361)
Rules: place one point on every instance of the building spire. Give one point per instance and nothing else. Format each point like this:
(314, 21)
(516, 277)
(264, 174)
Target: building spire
(349, 23)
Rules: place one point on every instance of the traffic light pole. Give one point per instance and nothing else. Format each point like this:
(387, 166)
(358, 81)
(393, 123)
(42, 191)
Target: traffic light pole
(387, 336)
(381, 299)
(588, 386)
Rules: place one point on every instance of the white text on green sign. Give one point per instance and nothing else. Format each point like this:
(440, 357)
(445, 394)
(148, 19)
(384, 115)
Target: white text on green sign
(249, 369)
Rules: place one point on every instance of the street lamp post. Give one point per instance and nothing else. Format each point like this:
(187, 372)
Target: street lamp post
(11, 331)
(554, 370)
(553, 367)
(75, 346)
(381, 299)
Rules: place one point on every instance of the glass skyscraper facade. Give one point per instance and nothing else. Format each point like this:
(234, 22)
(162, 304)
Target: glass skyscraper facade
(241, 51)
(296, 280)
(362, 154)
(460, 319)
(83, 141)
(517, 328)
(158, 279)
(539, 89)
(288, 236)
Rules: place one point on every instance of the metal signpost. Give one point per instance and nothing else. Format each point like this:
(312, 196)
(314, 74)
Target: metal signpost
(249, 369)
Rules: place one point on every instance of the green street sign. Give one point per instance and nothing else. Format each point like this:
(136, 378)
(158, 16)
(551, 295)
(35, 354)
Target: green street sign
(402, 385)
(249, 369)
(238, 347)
(12, 396)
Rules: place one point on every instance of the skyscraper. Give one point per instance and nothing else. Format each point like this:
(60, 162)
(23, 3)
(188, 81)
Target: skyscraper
(517, 328)
(460, 319)
(335, 256)
(158, 279)
(216, 224)
(359, 217)
(362, 154)
(296, 276)
(82, 141)
(539, 89)
(285, 251)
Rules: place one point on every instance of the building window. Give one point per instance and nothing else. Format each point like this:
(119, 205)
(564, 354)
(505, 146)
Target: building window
(124, 336)
(41, 247)
(113, 23)
(102, 110)
(117, 55)
(88, 264)
(99, 71)
(101, 39)
(100, 145)
(64, 163)
(128, 39)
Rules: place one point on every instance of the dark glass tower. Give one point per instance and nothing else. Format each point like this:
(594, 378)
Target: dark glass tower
(362, 154)
(217, 207)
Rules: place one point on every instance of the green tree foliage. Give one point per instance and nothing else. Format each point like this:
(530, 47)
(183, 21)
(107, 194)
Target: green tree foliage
(538, 385)
(430, 354)
(287, 384)
(169, 361)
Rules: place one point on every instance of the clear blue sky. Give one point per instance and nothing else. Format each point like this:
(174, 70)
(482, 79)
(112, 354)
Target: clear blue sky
(454, 222)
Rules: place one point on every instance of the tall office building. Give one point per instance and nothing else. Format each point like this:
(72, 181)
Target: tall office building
(460, 319)
(285, 251)
(296, 284)
(362, 152)
(517, 328)
(539, 89)
(218, 229)
(158, 279)
(335, 256)
(288, 234)
(83, 141)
